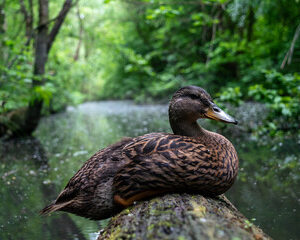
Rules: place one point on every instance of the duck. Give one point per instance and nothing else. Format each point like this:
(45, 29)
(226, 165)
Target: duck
(190, 160)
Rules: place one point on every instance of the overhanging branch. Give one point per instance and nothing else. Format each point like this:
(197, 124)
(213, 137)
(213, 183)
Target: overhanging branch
(290, 52)
(59, 21)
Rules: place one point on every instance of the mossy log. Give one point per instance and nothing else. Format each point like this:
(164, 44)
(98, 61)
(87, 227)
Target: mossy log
(182, 217)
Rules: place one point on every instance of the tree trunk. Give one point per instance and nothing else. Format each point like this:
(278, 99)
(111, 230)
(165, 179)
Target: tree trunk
(251, 20)
(80, 22)
(182, 217)
(41, 55)
(43, 45)
(28, 18)
(2, 19)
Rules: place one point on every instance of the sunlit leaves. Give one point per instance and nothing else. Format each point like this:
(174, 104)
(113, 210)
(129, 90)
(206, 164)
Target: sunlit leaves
(44, 92)
(232, 95)
(203, 19)
(280, 93)
(164, 11)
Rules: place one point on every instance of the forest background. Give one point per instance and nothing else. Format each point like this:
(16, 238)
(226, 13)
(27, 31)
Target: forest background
(238, 50)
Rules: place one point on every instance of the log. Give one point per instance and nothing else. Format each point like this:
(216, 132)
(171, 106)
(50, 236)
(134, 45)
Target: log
(182, 217)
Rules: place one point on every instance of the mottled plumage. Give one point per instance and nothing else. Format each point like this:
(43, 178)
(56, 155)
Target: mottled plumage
(177, 163)
(190, 160)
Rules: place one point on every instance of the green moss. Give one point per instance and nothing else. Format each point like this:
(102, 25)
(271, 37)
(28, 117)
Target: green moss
(165, 223)
(115, 234)
(113, 219)
(121, 233)
(126, 211)
(150, 227)
(235, 238)
(198, 209)
(247, 224)
(156, 212)
(159, 224)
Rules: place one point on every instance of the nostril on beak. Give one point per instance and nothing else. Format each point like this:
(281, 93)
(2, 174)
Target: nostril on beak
(216, 109)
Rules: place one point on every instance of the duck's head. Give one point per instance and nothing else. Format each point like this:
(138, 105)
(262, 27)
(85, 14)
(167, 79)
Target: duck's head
(191, 103)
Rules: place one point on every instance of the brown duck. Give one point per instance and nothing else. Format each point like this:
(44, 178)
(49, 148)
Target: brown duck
(190, 160)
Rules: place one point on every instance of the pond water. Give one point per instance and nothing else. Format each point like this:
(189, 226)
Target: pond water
(34, 170)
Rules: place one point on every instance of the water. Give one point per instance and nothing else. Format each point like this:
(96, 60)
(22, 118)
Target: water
(34, 170)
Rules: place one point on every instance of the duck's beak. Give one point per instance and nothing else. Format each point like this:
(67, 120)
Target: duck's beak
(216, 113)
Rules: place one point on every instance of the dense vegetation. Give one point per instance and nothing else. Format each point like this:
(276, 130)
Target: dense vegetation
(239, 50)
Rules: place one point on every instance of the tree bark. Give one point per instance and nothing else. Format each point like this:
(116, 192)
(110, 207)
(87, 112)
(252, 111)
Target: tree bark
(28, 18)
(2, 32)
(41, 55)
(2, 18)
(289, 54)
(182, 217)
(43, 44)
(250, 24)
(80, 22)
(59, 21)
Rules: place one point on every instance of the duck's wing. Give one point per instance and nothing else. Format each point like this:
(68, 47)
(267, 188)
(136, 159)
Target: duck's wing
(164, 163)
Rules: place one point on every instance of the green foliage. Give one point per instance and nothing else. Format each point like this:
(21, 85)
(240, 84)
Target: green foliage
(231, 95)
(15, 84)
(145, 51)
(281, 93)
(211, 45)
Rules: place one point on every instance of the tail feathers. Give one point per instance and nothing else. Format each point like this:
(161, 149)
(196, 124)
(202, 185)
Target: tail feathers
(53, 207)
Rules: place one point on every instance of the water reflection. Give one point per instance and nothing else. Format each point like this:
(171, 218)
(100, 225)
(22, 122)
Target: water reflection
(34, 170)
(24, 165)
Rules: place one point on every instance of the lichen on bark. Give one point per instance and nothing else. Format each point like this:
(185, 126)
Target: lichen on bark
(182, 217)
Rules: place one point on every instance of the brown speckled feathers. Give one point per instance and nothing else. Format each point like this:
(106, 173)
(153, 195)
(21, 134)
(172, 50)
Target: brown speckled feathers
(192, 160)
(177, 163)
(89, 192)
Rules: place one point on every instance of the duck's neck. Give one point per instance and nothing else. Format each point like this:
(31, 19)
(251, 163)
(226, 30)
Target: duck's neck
(185, 127)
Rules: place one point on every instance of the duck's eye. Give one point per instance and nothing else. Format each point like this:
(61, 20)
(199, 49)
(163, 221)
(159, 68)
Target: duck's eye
(216, 109)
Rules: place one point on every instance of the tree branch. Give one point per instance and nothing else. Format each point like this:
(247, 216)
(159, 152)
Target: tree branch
(213, 34)
(59, 21)
(23, 9)
(28, 17)
(30, 3)
(290, 52)
(77, 51)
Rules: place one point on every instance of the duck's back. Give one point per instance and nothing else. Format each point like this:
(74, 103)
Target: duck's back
(173, 163)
